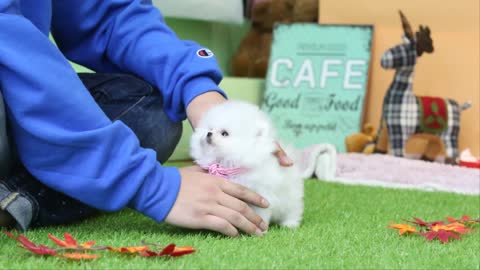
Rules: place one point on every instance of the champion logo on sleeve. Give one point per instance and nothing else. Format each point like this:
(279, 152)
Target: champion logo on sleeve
(204, 53)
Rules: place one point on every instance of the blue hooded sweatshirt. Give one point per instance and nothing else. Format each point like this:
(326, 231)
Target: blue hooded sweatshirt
(61, 134)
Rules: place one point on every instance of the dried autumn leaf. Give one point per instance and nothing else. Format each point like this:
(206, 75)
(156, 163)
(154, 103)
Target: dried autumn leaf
(167, 250)
(170, 250)
(423, 223)
(79, 256)
(70, 242)
(88, 244)
(403, 228)
(132, 249)
(30, 246)
(463, 219)
(458, 228)
(453, 227)
(180, 251)
(451, 219)
(419, 222)
(148, 253)
(442, 235)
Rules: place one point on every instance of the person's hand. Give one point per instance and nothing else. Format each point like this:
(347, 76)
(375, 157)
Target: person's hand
(282, 157)
(210, 202)
(200, 105)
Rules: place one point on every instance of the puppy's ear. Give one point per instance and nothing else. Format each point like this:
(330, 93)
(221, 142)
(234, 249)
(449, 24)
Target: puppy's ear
(263, 130)
(266, 135)
(261, 133)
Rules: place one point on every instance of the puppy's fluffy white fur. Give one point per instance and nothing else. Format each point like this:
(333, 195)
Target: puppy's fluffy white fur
(242, 136)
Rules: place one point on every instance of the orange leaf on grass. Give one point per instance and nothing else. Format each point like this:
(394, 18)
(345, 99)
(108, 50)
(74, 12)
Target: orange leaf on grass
(88, 244)
(403, 228)
(132, 249)
(79, 256)
(30, 246)
(180, 251)
(70, 242)
(453, 227)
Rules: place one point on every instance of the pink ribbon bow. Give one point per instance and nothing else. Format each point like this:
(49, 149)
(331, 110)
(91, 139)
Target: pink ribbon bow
(217, 170)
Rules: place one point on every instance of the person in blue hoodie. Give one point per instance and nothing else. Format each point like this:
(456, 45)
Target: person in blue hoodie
(97, 141)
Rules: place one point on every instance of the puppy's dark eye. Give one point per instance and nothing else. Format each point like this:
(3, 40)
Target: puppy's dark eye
(224, 133)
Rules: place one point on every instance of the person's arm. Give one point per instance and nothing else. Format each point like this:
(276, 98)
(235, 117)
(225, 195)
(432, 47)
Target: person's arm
(64, 138)
(132, 37)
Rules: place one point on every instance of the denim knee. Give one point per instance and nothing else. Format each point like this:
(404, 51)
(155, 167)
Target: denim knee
(139, 105)
(5, 156)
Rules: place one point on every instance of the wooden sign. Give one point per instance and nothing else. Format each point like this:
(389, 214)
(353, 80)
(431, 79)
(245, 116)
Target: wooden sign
(316, 82)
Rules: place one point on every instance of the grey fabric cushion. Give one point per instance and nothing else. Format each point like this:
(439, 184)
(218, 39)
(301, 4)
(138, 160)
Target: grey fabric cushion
(5, 154)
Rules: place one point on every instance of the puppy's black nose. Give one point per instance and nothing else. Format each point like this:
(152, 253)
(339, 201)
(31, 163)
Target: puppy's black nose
(209, 137)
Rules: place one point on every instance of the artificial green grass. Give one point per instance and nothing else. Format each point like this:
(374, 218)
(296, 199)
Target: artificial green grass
(344, 227)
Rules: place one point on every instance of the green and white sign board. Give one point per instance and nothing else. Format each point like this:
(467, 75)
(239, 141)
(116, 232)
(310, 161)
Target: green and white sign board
(316, 82)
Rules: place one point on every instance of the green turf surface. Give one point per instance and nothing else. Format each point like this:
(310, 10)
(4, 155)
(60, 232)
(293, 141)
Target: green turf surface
(344, 227)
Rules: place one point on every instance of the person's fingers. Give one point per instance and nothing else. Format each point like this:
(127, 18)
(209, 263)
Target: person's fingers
(243, 209)
(282, 157)
(235, 219)
(244, 194)
(195, 168)
(215, 223)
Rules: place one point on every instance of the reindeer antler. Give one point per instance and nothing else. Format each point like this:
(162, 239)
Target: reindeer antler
(424, 41)
(425, 29)
(407, 29)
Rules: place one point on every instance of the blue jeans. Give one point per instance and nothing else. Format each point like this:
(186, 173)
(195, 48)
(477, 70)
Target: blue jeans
(123, 98)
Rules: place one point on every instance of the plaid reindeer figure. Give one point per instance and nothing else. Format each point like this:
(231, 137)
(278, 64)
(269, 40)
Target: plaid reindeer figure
(403, 112)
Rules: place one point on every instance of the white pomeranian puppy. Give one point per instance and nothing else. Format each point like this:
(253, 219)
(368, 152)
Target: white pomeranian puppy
(236, 140)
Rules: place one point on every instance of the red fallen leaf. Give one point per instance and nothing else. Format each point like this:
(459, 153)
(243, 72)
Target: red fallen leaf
(167, 250)
(180, 251)
(420, 222)
(79, 256)
(30, 246)
(463, 219)
(132, 249)
(70, 242)
(170, 250)
(148, 253)
(435, 223)
(451, 219)
(423, 223)
(442, 235)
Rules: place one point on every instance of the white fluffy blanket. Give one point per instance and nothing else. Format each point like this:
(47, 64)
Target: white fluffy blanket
(322, 162)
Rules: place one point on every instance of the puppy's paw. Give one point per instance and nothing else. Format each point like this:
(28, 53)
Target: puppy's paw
(291, 223)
